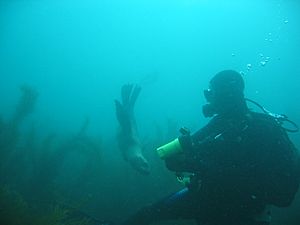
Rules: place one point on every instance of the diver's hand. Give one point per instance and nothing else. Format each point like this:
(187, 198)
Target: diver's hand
(176, 163)
(139, 163)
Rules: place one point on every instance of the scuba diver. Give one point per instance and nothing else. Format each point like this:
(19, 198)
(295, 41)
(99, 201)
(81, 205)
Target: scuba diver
(240, 164)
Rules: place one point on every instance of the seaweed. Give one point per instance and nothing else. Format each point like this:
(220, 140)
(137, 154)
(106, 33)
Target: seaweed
(80, 157)
(25, 105)
(9, 131)
(14, 210)
(55, 216)
(44, 165)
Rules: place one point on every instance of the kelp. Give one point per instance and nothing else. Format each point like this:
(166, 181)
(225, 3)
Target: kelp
(80, 158)
(9, 130)
(14, 210)
(25, 105)
(44, 169)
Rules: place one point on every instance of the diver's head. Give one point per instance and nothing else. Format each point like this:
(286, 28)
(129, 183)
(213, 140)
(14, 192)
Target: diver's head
(225, 94)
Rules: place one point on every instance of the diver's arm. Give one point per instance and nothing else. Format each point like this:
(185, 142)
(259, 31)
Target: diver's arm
(191, 158)
(186, 163)
(284, 160)
(177, 163)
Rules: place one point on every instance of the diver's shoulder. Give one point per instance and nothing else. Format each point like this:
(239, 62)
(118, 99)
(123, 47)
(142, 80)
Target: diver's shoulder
(263, 119)
(258, 115)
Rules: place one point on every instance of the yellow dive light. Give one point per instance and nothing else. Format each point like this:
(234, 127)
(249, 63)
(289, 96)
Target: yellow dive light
(169, 149)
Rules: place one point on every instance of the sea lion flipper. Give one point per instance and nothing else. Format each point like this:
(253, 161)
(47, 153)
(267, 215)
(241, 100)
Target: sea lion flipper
(125, 94)
(135, 94)
(122, 116)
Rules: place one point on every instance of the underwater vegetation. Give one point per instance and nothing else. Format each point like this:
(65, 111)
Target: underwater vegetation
(29, 168)
(9, 130)
(16, 211)
(80, 179)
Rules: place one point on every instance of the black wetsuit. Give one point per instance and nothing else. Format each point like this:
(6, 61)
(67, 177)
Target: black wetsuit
(239, 164)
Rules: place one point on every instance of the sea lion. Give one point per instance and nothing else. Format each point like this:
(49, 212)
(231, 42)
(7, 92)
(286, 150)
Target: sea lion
(128, 138)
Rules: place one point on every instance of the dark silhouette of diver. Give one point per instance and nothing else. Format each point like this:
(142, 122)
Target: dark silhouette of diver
(241, 163)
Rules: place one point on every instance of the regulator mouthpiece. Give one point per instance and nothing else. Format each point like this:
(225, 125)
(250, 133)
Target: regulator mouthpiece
(169, 149)
(208, 110)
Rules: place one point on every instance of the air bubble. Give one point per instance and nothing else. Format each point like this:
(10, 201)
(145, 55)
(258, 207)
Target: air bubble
(263, 63)
(253, 197)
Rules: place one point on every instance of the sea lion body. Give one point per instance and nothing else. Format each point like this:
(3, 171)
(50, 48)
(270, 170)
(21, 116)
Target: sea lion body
(128, 138)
